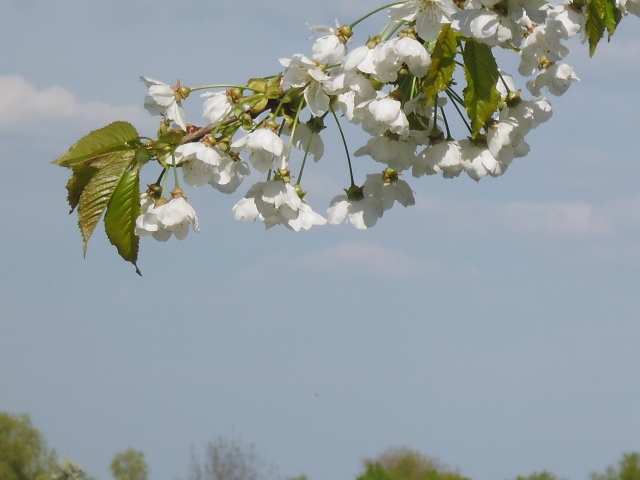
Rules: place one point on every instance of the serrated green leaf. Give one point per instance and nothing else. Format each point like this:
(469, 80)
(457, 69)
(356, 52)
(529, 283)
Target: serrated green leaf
(481, 97)
(98, 192)
(595, 25)
(116, 136)
(81, 175)
(612, 17)
(442, 64)
(120, 217)
(77, 183)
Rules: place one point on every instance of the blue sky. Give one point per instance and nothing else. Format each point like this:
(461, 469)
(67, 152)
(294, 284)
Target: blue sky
(493, 325)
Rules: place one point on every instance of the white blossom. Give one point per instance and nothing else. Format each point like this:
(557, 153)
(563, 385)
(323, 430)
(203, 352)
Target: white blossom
(429, 15)
(303, 72)
(556, 78)
(389, 188)
(397, 154)
(329, 48)
(164, 100)
(487, 27)
(217, 106)
(543, 44)
(477, 161)
(362, 210)
(265, 148)
(381, 115)
(273, 202)
(173, 217)
(306, 219)
(439, 156)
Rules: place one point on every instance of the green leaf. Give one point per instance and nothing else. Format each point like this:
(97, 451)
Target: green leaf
(77, 183)
(612, 17)
(114, 137)
(596, 12)
(481, 97)
(120, 217)
(98, 192)
(442, 64)
(81, 175)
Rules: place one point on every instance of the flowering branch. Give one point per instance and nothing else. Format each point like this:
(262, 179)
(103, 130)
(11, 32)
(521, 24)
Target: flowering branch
(391, 87)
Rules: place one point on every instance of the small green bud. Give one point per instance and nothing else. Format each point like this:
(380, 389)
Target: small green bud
(247, 121)
(259, 105)
(142, 156)
(502, 8)
(578, 5)
(257, 84)
(283, 175)
(354, 193)
(271, 125)
(513, 98)
(408, 32)
(396, 95)
(273, 89)
(235, 94)
(301, 193)
(373, 41)
(316, 124)
(390, 175)
(344, 33)
(163, 129)
(435, 134)
(154, 191)
(480, 141)
(182, 92)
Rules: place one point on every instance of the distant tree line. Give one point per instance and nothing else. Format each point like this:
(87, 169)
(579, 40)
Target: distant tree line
(24, 455)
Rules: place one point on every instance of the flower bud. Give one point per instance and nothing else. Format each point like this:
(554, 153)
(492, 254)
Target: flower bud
(273, 89)
(235, 94)
(435, 135)
(316, 124)
(344, 33)
(142, 156)
(396, 95)
(154, 191)
(257, 84)
(301, 193)
(354, 193)
(259, 105)
(513, 98)
(271, 125)
(247, 121)
(390, 175)
(373, 41)
(163, 129)
(283, 175)
(182, 93)
(578, 5)
(409, 33)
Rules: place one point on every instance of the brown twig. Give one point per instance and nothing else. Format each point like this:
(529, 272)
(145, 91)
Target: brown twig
(197, 135)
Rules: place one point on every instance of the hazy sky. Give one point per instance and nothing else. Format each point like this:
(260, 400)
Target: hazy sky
(493, 325)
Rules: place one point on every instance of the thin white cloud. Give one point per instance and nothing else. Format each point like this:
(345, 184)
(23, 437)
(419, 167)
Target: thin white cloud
(556, 220)
(345, 259)
(368, 259)
(549, 220)
(23, 105)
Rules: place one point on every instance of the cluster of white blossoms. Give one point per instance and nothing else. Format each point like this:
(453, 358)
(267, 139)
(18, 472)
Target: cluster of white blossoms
(399, 87)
